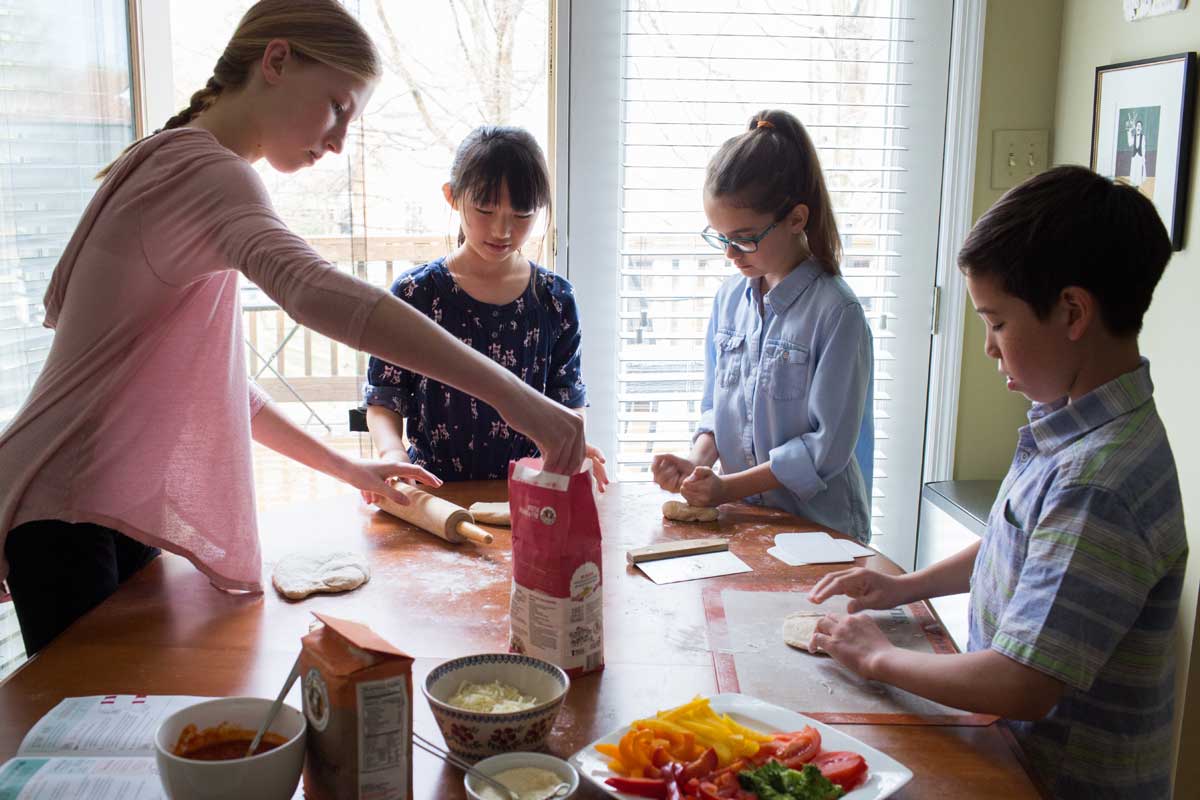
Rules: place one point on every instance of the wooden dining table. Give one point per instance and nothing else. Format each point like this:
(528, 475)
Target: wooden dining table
(167, 630)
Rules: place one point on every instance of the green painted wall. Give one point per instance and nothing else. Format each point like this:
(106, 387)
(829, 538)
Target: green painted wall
(1095, 34)
(1018, 92)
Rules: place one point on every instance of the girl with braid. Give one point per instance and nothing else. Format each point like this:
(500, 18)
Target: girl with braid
(136, 435)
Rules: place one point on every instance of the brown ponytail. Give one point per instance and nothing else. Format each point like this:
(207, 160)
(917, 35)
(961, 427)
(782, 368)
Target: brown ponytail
(772, 168)
(321, 31)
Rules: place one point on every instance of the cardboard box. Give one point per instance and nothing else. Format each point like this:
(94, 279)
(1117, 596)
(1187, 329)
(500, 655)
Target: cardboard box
(357, 691)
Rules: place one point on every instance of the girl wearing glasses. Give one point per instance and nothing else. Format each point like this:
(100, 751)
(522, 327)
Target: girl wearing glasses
(788, 363)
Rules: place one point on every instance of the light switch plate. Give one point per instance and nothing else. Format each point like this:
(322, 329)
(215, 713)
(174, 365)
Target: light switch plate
(1017, 155)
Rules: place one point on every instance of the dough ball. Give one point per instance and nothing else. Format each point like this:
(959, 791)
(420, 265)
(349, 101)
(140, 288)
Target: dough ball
(491, 513)
(301, 574)
(683, 512)
(798, 630)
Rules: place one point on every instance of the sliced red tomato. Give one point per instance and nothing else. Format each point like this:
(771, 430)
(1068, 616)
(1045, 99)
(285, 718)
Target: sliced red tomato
(800, 749)
(768, 750)
(842, 767)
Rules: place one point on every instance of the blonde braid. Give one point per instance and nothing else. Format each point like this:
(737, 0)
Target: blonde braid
(200, 101)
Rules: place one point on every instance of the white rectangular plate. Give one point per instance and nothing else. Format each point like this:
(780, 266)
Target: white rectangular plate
(885, 774)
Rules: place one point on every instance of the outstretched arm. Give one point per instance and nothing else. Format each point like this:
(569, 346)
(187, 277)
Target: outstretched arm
(984, 681)
(271, 428)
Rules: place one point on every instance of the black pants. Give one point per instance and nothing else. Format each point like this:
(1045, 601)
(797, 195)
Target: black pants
(58, 571)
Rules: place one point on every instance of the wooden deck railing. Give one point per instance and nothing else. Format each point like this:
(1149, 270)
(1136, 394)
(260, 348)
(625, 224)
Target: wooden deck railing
(318, 368)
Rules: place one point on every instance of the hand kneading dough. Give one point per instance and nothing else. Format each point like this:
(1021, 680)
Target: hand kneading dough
(798, 630)
(683, 512)
(490, 513)
(301, 574)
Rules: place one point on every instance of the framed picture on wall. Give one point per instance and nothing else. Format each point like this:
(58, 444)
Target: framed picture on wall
(1142, 131)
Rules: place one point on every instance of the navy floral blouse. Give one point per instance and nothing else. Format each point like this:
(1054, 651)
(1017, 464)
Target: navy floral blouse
(537, 337)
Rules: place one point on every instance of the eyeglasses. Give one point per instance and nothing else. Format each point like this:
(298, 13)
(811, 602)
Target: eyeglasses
(744, 244)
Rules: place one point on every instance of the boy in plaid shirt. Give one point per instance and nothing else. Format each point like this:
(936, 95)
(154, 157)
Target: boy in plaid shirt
(1075, 584)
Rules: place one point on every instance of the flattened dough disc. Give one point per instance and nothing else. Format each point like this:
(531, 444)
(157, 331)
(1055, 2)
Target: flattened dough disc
(683, 512)
(300, 574)
(491, 513)
(798, 630)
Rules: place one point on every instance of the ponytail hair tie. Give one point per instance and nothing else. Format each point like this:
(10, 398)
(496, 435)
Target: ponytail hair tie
(764, 123)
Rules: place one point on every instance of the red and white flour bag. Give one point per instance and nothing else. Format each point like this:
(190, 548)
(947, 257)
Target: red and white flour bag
(556, 612)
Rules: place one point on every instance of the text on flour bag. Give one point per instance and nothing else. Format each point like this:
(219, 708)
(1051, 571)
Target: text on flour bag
(556, 610)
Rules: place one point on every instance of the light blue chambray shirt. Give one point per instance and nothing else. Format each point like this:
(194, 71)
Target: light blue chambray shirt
(790, 384)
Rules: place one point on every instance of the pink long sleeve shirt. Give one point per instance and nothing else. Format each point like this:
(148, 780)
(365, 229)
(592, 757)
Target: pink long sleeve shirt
(140, 419)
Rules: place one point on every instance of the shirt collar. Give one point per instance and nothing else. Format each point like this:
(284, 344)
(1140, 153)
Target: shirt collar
(787, 290)
(1055, 425)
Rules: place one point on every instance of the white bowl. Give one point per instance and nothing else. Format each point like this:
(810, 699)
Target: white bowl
(475, 734)
(506, 761)
(267, 776)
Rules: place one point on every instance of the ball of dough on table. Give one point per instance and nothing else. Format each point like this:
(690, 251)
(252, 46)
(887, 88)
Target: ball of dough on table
(684, 512)
(491, 513)
(300, 574)
(798, 630)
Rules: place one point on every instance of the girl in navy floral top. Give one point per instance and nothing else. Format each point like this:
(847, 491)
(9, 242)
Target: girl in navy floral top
(495, 300)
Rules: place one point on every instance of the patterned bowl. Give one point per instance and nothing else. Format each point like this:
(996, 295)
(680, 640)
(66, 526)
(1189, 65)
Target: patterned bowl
(475, 734)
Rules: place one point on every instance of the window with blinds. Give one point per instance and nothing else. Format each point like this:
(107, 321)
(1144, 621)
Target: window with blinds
(65, 112)
(694, 73)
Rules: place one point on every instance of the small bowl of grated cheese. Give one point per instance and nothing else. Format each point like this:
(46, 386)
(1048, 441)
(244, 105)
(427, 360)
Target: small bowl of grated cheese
(495, 702)
(532, 776)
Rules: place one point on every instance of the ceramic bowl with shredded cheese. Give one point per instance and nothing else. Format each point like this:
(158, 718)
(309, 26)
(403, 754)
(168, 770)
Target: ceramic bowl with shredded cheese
(491, 698)
(495, 702)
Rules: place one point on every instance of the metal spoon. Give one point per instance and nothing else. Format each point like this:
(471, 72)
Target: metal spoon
(454, 761)
(274, 709)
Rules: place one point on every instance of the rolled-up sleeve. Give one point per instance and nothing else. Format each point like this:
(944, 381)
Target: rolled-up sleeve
(707, 416)
(835, 407)
(564, 382)
(258, 398)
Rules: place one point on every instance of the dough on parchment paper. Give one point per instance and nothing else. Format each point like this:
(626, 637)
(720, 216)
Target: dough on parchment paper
(491, 513)
(300, 574)
(685, 512)
(798, 630)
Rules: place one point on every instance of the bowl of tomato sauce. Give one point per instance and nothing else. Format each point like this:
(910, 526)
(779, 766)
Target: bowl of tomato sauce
(201, 751)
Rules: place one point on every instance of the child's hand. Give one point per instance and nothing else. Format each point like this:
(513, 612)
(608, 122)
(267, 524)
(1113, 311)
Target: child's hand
(598, 469)
(669, 471)
(704, 488)
(376, 478)
(854, 641)
(866, 588)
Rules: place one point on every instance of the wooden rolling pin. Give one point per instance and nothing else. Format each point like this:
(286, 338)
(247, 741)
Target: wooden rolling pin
(439, 517)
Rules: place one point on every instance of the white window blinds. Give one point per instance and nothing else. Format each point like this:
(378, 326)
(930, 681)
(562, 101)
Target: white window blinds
(868, 80)
(65, 112)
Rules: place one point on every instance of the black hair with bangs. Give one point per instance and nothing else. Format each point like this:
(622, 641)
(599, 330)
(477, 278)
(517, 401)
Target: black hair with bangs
(493, 155)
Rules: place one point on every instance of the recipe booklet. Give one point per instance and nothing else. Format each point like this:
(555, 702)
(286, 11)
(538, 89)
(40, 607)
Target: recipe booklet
(92, 748)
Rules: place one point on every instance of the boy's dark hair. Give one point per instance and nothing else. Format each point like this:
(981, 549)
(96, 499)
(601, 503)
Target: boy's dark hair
(492, 155)
(1069, 226)
(772, 167)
